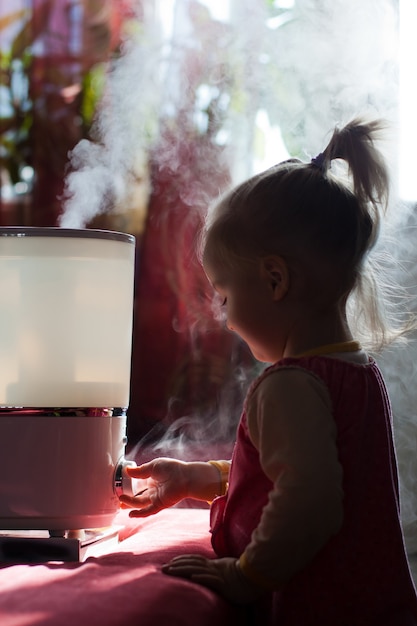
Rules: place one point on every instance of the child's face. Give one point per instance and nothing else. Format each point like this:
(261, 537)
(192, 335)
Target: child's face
(249, 308)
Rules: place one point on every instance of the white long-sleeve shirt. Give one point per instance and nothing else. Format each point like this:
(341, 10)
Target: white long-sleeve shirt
(290, 423)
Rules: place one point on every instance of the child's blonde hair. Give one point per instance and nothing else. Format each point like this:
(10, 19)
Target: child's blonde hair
(297, 208)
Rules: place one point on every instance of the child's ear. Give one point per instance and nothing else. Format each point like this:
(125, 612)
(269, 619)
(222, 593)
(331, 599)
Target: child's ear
(275, 271)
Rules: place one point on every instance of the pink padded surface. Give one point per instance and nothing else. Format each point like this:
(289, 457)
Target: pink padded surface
(125, 587)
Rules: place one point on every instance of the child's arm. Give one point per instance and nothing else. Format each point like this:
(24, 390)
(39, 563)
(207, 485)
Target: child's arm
(167, 481)
(291, 424)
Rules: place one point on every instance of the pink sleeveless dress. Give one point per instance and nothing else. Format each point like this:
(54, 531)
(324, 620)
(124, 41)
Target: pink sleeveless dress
(361, 576)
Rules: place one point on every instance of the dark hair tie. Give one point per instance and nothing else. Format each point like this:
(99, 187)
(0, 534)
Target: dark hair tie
(319, 161)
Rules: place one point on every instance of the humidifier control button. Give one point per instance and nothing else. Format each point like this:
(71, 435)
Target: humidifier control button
(123, 484)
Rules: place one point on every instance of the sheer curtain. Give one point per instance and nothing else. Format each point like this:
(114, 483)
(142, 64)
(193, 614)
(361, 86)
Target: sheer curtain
(208, 92)
(277, 77)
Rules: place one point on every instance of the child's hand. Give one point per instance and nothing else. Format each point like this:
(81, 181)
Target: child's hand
(222, 575)
(165, 483)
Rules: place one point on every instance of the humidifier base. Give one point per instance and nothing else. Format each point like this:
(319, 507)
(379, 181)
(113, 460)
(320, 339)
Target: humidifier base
(37, 546)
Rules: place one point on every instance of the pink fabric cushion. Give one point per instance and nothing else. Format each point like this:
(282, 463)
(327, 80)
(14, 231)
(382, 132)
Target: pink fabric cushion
(125, 587)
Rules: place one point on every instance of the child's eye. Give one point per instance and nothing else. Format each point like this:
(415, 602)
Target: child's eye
(224, 302)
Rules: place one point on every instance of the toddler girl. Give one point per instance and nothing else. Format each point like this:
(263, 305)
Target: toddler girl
(305, 519)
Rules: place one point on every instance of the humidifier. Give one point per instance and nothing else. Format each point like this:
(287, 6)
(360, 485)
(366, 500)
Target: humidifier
(66, 308)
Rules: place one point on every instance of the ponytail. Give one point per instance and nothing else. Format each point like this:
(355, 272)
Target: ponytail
(354, 143)
(369, 300)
